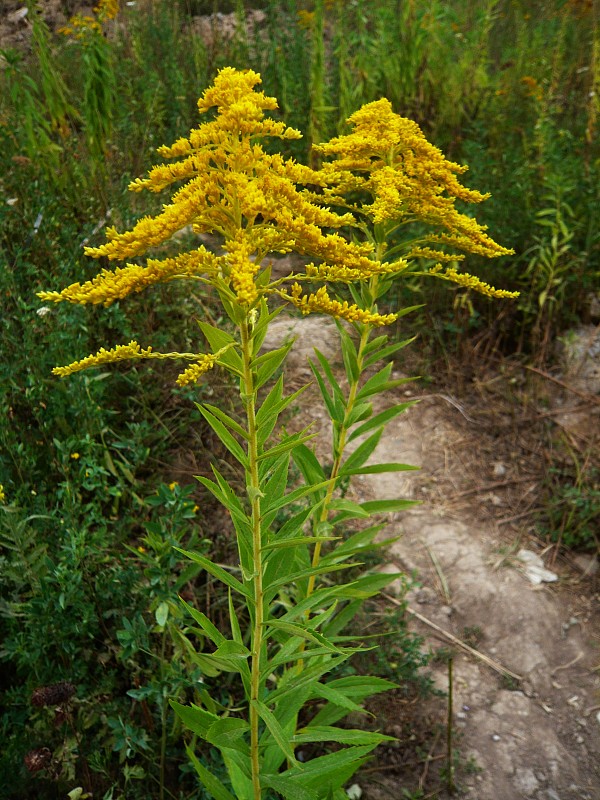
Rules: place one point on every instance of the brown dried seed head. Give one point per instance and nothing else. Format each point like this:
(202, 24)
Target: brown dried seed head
(53, 695)
(38, 759)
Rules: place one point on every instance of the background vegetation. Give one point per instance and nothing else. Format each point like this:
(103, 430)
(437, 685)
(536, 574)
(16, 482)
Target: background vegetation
(92, 474)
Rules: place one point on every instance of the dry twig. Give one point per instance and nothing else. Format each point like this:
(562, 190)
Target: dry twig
(458, 642)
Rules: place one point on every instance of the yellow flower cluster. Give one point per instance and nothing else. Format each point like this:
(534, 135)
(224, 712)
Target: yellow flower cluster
(407, 178)
(111, 285)
(321, 303)
(107, 9)
(470, 282)
(242, 270)
(436, 255)
(230, 186)
(343, 274)
(80, 25)
(2, 495)
(192, 374)
(222, 181)
(121, 352)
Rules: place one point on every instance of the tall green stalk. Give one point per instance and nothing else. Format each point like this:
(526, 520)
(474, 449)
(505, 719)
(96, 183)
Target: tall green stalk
(254, 495)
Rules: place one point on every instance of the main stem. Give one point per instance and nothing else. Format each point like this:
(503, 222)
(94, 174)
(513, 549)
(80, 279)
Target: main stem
(339, 454)
(345, 426)
(254, 494)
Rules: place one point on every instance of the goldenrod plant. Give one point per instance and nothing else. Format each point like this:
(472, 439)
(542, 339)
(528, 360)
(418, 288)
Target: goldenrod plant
(224, 182)
(89, 31)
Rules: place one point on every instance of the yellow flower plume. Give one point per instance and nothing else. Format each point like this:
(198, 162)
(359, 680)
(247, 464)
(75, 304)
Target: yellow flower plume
(223, 182)
(133, 351)
(408, 179)
(470, 282)
(321, 303)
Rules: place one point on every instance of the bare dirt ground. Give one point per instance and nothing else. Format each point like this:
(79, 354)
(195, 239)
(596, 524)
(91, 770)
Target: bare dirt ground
(526, 720)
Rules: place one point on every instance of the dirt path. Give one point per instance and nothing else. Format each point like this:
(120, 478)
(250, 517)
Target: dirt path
(535, 736)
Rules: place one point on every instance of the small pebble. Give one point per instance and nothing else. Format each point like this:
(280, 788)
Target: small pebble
(495, 737)
(354, 792)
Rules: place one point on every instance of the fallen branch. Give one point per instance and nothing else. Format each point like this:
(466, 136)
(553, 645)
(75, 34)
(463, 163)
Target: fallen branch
(490, 486)
(586, 395)
(455, 640)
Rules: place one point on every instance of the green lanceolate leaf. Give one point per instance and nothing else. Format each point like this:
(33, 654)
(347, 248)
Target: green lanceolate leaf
(225, 436)
(374, 469)
(288, 788)
(233, 620)
(303, 633)
(308, 464)
(388, 506)
(218, 339)
(196, 719)
(368, 585)
(238, 769)
(293, 526)
(323, 595)
(243, 526)
(301, 540)
(225, 418)
(305, 655)
(355, 687)
(268, 363)
(334, 696)
(295, 495)
(347, 509)
(374, 344)
(408, 310)
(336, 388)
(234, 655)
(274, 488)
(292, 682)
(348, 354)
(376, 383)
(213, 633)
(381, 419)
(335, 409)
(386, 352)
(360, 412)
(362, 453)
(332, 770)
(275, 729)
(216, 571)
(361, 686)
(272, 406)
(259, 331)
(229, 732)
(271, 589)
(327, 733)
(212, 783)
(287, 444)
